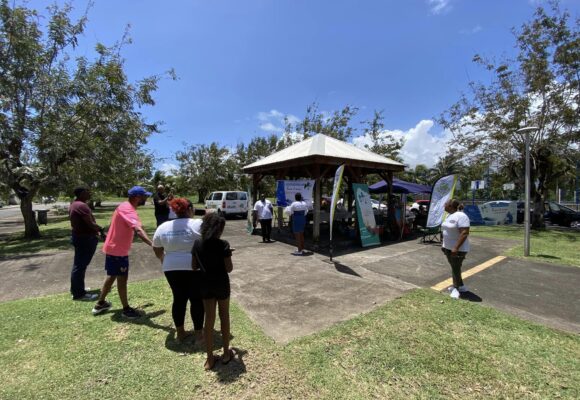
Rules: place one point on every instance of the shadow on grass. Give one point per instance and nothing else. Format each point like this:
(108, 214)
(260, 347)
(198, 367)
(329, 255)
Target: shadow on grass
(146, 319)
(548, 257)
(52, 239)
(231, 371)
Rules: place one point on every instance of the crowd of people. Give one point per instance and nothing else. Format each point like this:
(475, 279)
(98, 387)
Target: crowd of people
(194, 259)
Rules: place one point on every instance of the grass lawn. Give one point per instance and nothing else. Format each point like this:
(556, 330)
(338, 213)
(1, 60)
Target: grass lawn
(56, 234)
(549, 245)
(423, 345)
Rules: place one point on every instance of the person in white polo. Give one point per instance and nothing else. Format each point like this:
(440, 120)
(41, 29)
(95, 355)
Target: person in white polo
(263, 210)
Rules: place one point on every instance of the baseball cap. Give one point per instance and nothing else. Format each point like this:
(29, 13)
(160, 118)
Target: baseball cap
(138, 191)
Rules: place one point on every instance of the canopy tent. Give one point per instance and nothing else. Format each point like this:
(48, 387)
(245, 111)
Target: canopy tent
(399, 186)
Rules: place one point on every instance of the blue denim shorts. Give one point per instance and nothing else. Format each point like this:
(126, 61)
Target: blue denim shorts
(117, 265)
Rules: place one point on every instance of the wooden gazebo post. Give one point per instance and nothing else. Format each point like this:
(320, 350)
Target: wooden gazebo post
(317, 201)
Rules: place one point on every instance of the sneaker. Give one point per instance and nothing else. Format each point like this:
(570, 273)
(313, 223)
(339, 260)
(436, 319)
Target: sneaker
(463, 289)
(297, 253)
(130, 312)
(304, 252)
(455, 294)
(87, 297)
(101, 307)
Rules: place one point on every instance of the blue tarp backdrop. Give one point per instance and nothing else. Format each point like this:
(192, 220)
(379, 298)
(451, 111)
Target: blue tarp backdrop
(399, 186)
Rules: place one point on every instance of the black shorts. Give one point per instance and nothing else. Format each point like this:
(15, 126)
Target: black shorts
(215, 292)
(117, 265)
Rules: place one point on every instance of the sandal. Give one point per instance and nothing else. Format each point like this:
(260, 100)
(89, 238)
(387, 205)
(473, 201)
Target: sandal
(210, 363)
(231, 353)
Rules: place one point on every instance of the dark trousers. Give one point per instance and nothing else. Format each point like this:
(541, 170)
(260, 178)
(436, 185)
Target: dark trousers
(185, 286)
(161, 218)
(266, 225)
(455, 261)
(84, 250)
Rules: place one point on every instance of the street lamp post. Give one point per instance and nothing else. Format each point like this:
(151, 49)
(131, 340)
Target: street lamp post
(527, 131)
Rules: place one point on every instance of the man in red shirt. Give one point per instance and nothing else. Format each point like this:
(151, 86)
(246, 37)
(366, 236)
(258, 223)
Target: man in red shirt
(85, 232)
(124, 224)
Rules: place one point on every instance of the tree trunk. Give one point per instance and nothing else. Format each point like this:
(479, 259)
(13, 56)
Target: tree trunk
(201, 195)
(31, 230)
(538, 197)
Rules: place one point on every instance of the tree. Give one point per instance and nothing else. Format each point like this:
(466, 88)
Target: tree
(336, 125)
(258, 148)
(59, 116)
(448, 164)
(383, 143)
(207, 168)
(541, 87)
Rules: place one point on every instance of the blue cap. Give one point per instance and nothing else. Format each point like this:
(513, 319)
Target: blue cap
(138, 191)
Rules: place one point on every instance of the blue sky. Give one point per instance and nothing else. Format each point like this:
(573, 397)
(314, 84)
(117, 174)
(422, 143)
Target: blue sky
(243, 65)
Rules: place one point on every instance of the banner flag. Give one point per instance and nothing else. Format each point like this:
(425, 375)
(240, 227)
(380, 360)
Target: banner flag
(335, 194)
(250, 224)
(365, 215)
(442, 191)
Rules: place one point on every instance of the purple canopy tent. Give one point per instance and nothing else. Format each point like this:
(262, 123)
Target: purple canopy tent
(399, 186)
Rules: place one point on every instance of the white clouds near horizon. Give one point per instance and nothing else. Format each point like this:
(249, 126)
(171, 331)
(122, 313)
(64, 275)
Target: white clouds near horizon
(421, 145)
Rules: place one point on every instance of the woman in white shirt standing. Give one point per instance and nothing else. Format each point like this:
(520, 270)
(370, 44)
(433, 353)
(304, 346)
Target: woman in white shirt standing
(455, 230)
(172, 244)
(298, 210)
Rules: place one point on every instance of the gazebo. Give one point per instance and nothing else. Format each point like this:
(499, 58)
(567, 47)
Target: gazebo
(317, 158)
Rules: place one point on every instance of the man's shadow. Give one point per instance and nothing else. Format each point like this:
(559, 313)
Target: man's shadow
(470, 296)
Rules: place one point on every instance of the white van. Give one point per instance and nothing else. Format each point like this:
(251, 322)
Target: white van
(228, 203)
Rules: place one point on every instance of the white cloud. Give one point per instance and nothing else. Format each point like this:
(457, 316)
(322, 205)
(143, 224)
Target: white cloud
(168, 168)
(272, 114)
(273, 121)
(471, 31)
(270, 127)
(421, 145)
(439, 6)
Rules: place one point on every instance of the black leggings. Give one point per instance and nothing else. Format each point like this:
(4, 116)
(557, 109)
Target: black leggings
(185, 286)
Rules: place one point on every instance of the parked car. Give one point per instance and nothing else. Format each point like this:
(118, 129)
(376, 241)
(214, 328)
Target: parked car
(561, 215)
(228, 203)
(378, 206)
(417, 205)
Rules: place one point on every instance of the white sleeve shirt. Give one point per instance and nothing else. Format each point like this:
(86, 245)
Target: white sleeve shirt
(263, 209)
(450, 228)
(177, 237)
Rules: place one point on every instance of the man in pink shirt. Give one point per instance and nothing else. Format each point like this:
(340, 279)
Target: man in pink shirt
(124, 224)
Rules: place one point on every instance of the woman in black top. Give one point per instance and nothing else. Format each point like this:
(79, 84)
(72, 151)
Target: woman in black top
(214, 257)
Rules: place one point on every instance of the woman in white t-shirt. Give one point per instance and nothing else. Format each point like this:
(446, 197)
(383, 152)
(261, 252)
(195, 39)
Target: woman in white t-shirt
(455, 230)
(298, 209)
(172, 243)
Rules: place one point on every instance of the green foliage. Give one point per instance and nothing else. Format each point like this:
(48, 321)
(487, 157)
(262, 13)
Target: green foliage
(383, 143)
(540, 88)
(336, 125)
(206, 168)
(65, 122)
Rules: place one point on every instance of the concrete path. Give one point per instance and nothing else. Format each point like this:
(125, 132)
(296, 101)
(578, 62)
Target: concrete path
(290, 296)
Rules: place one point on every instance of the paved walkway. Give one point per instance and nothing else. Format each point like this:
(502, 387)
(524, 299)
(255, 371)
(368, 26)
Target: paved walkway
(291, 296)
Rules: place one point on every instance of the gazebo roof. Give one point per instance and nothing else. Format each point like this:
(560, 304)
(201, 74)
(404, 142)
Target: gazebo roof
(323, 150)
